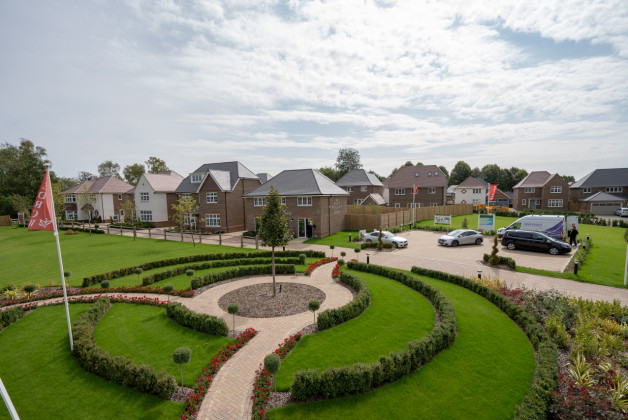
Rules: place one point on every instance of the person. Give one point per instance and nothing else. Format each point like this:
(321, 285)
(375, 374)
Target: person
(573, 234)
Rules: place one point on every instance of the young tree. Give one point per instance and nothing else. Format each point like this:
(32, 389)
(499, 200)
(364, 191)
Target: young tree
(128, 207)
(109, 168)
(347, 160)
(272, 362)
(184, 209)
(313, 306)
(181, 355)
(133, 173)
(85, 201)
(155, 165)
(83, 176)
(274, 229)
(233, 310)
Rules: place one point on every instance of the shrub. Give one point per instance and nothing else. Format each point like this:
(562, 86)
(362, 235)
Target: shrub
(494, 259)
(313, 306)
(332, 317)
(29, 288)
(272, 362)
(180, 356)
(11, 315)
(343, 254)
(253, 270)
(341, 262)
(302, 259)
(233, 310)
(465, 223)
(557, 330)
(332, 247)
(105, 285)
(201, 322)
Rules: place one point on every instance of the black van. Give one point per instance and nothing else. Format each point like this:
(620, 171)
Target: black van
(535, 241)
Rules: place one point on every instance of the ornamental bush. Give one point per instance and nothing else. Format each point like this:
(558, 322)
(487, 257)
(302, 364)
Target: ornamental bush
(332, 317)
(10, 316)
(201, 322)
(272, 362)
(180, 356)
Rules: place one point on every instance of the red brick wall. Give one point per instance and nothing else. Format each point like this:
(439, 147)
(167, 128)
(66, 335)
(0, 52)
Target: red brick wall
(422, 197)
(357, 193)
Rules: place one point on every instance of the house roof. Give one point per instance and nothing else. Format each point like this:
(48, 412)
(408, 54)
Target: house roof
(615, 177)
(406, 177)
(235, 170)
(264, 176)
(472, 182)
(165, 182)
(534, 179)
(104, 185)
(603, 196)
(297, 182)
(377, 199)
(358, 177)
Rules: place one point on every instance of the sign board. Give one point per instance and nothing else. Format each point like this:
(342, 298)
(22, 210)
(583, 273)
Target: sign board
(20, 218)
(486, 222)
(442, 219)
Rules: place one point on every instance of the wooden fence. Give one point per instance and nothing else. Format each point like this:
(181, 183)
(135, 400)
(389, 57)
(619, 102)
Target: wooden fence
(5, 220)
(387, 217)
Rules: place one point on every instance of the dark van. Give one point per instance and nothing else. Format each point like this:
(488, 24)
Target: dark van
(534, 241)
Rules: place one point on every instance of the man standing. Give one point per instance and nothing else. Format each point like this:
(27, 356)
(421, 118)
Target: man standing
(573, 234)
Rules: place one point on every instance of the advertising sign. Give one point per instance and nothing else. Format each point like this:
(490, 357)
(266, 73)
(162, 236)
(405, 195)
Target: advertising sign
(486, 222)
(442, 219)
(491, 192)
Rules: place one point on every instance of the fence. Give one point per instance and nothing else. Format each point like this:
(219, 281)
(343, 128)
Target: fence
(5, 220)
(387, 217)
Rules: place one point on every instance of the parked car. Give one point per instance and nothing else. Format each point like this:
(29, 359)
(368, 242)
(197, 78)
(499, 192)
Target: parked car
(622, 212)
(461, 237)
(535, 241)
(387, 238)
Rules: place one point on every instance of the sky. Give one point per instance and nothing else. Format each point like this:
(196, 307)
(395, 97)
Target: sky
(540, 84)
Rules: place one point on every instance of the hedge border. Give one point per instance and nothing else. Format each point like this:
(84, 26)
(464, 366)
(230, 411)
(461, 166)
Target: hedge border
(249, 270)
(10, 316)
(332, 317)
(209, 324)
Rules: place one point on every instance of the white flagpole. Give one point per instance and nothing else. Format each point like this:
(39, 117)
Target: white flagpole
(7, 402)
(56, 233)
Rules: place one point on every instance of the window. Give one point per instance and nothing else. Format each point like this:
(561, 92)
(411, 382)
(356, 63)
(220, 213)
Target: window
(524, 202)
(283, 201)
(363, 188)
(186, 195)
(613, 189)
(554, 203)
(586, 190)
(92, 197)
(211, 198)
(538, 202)
(119, 196)
(304, 201)
(414, 205)
(146, 215)
(358, 201)
(431, 190)
(435, 173)
(70, 215)
(556, 190)
(400, 191)
(259, 201)
(476, 201)
(433, 204)
(115, 217)
(70, 198)
(477, 190)
(416, 174)
(397, 205)
(144, 196)
(196, 178)
(349, 189)
(528, 190)
(212, 220)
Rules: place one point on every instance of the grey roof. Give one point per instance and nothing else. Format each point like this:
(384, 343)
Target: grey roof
(603, 196)
(471, 182)
(104, 185)
(264, 176)
(616, 177)
(297, 182)
(377, 199)
(235, 169)
(358, 177)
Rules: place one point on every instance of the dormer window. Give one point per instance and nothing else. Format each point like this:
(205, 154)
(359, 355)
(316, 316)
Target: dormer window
(416, 174)
(435, 173)
(429, 173)
(196, 178)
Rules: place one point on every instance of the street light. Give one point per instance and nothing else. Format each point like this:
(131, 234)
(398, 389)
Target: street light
(575, 266)
(479, 274)
(368, 258)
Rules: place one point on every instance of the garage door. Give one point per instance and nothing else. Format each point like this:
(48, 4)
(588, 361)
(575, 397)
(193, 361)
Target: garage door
(604, 209)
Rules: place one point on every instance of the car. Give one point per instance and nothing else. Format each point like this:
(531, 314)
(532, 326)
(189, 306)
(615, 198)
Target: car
(534, 241)
(461, 237)
(622, 212)
(387, 238)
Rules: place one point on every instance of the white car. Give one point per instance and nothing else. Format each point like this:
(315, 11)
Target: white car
(622, 212)
(387, 238)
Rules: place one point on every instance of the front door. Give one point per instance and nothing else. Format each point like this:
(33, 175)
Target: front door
(532, 204)
(305, 228)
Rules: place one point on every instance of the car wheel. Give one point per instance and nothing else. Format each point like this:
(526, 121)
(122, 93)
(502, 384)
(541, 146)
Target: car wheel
(368, 240)
(511, 246)
(553, 250)
(395, 245)
(478, 241)
(454, 243)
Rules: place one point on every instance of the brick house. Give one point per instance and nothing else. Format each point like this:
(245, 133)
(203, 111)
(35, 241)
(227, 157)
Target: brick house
(541, 190)
(315, 206)
(431, 186)
(601, 191)
(101, 198)
(360, 184)
(154, 197)
(218, 188)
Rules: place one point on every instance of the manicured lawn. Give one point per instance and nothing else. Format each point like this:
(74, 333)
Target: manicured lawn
(147, 336)
(396, 316)
(483, 375)
(31, 256)
(45, 381)
(339, 239)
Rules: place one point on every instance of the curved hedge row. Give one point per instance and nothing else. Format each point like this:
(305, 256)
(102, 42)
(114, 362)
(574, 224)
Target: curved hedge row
(96, 279)
(123, 371)
(332, 317)
(11, 315)
(200, 322)
(153, 278)
(361, 377)
(538, 399)
(251, 270)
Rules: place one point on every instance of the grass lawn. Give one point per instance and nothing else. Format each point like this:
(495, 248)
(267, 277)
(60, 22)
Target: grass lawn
(483, 375)
(147, 336)
(45, 381)
(339, 239)
(396, 316)
(31, 256)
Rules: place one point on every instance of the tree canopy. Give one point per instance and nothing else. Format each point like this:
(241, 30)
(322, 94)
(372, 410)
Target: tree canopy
(155, 165)
(109, 168)
(347, 160)
(461, 171)
(274, 226)
(133, 173)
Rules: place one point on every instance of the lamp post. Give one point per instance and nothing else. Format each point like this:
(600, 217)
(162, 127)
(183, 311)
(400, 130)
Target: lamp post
(479, 274)
(368, 258)
(575, 266)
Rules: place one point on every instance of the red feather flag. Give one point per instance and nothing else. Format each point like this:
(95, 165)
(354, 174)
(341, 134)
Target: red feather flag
(42, 217)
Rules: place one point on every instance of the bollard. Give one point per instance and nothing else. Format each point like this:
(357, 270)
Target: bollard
(149, 235)
(165, 234)
(280, 286)
(349, 236)
(107, 229)
(479, 274)
(120, 230)
(588, 237)
(575, 266)
(368, 258)
(284, 248)
(134, 233)
(219, 238)
(256, 242)
(241, 241)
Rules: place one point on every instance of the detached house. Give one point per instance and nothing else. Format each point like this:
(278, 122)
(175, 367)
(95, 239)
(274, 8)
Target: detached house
(541, 190)
(360, 185)
(218, 189)
(154, 197)
(471, 191)
(100, 198)
(430, 183)
(601, 192)
(315, 206)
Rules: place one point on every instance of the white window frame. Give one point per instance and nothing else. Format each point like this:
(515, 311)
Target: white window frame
(146, 215)
(586, 190)
(476, 201)
(70, 198)
(349, 189)
(211, 198)
(477, 190)
(431, 190)
(400, 191)
(186, 195)
(414, 205)
(435, 173)
(212, 220)
(70, 215)
(358, 201)
(304, 201)
(554, 202)
(614, 189)
(433, 204)
(259, 201)
(363, 188)
(144, 197)
(524, 202)
(397, 205)
(528, 190)
(119, 196)
(196, 178)
(556, 190)
(429, 173)
(283, 201)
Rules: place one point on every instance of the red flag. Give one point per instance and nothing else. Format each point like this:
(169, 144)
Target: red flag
(492, 191)
(414, 191)
(41, 217)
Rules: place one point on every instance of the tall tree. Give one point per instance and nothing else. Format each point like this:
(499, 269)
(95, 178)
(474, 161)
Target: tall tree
(85, 176)
(568, 178)
(444, 170)
(156, 165)
(408, 163)
(461, 171)
(381, 178)
(133, 173)
(419, 164)
(330, 173)
(492, 174)
(476, 172)
(109, 168)
(66, 183)
(511, 177)
(274, 229)
(347, 160)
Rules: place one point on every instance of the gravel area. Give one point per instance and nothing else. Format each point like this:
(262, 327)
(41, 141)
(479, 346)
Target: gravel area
(256, 301)
(180, 394)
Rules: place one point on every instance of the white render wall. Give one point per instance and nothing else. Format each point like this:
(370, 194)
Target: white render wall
(468, 196)
(157, 202)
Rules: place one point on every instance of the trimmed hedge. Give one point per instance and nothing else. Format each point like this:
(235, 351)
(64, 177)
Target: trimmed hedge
(360, 377)
(366, 245)
(502, 260)
(250, 270)
(538, 399)
(200, 322)
(332, 317)
(94, 359)
(10, 316)
(96, 279)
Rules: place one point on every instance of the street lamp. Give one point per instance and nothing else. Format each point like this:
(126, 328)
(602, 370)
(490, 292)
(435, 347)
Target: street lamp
(479, 274)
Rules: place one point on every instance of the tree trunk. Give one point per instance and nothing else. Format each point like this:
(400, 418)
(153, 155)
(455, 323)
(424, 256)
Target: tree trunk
(181, 370)
(273, 264)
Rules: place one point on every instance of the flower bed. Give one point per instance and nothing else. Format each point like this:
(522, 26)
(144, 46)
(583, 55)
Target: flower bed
(203, 383)
(318, 263)
(335, 273)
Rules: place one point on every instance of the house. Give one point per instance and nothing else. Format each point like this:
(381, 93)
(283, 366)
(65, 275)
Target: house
(503, 199)
(374, 199)
(218, 188)
(315, 206)
(601, 191)
(154, 197)
(360, 184)
(264, 177)
(471, 191)
(430, 183)
(451, 195)
(94, 199)
(541, 190)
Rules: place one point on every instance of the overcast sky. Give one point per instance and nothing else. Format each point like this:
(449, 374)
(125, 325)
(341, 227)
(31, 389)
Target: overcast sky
(541, 85)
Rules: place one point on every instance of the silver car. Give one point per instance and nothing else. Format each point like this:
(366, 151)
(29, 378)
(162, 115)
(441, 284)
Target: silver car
(461, 237)
(622, 212)
(387, 238)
